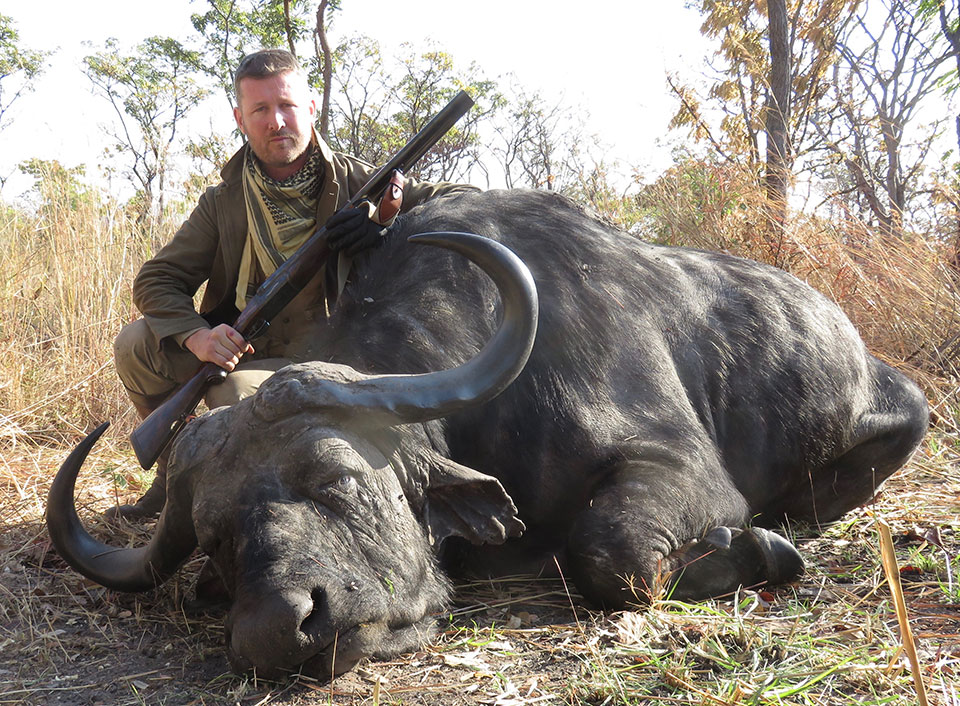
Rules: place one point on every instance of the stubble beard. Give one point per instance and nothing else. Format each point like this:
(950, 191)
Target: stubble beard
(284, 156)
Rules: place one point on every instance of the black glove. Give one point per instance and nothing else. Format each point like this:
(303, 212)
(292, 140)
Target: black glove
(351, 230)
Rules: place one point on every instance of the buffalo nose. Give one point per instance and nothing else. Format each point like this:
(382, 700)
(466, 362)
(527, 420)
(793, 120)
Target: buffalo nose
(265, 631)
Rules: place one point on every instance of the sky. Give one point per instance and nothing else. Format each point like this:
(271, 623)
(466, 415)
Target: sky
(609, 64)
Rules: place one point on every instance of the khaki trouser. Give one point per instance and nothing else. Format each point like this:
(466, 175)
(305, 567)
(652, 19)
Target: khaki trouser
(151, 371)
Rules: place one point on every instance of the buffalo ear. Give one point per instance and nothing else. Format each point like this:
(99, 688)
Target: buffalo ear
(462, 502)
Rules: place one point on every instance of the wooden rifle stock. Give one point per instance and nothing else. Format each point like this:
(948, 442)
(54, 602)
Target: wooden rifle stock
(155, 432)
(158, 429)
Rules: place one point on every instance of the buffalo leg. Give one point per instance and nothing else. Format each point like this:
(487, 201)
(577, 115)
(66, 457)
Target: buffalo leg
(849, 481)
(882, 442)
(652, 532)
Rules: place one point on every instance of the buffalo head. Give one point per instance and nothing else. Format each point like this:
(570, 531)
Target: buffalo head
(318, 499)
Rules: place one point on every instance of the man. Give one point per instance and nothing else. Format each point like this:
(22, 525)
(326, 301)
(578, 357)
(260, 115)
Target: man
(276, 190)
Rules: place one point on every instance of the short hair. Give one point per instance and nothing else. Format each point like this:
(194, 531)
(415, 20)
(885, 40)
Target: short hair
(263, 64)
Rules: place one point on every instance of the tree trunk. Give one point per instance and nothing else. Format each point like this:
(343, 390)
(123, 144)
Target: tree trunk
(777, 118)
(325, 55)
(953, 36)
(896, 196)
(287, 27)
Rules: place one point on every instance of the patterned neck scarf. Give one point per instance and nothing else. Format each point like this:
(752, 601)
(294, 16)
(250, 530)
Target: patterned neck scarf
(281, 215)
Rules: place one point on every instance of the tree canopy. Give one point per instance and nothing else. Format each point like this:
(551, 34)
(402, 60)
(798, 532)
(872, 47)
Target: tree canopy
(19, 66)
(822, 92)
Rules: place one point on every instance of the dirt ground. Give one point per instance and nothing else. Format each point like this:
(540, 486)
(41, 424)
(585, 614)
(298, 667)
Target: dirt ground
(831, 638)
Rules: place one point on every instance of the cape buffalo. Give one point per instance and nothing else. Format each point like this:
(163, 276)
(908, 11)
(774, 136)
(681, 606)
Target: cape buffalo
(675, 403)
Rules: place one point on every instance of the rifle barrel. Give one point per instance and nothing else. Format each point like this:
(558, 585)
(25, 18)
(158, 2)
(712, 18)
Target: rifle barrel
(418, 145)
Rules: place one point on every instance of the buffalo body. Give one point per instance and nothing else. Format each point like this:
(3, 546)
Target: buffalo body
(675, 405)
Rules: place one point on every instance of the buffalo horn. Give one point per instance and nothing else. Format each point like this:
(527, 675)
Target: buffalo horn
(406, 399)
(122, 569)
(417, 398)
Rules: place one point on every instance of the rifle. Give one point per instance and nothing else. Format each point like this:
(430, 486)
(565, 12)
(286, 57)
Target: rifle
(158, 429)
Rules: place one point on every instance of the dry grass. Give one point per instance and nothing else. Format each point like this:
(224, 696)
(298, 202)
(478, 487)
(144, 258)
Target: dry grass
(65, 274)
(832, 638)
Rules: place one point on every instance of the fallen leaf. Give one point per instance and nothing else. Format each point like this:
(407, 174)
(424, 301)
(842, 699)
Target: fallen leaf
(471, 660)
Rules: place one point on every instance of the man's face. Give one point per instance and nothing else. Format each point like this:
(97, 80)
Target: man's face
(276, 113)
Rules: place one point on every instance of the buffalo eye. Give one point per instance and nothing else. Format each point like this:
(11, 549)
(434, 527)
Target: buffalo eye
(345, 483)
(341, 486)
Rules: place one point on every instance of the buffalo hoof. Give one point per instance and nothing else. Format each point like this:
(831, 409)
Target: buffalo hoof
(148, 507)
(730, 558)
(782, 560)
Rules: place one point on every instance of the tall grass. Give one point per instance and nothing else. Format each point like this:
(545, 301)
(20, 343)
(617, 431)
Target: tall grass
(66, 266)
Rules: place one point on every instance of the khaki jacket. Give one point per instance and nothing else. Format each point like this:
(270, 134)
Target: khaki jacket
(209, 245)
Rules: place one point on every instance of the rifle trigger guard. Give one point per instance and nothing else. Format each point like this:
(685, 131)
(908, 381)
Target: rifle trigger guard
(259, 329)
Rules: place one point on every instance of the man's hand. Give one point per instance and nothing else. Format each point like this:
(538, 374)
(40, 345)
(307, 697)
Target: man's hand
(222, 345)
(352, 231)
